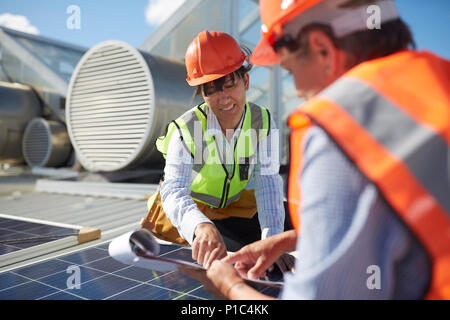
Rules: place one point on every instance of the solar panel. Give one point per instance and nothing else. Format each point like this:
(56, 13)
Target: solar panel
(11, 229)
(102, 277)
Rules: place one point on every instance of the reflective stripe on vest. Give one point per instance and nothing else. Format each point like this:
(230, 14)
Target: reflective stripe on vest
(213, 184)
(296, 165)
(398, 135)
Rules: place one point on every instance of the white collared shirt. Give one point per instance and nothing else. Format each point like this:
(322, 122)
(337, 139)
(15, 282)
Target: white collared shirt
(181, 209)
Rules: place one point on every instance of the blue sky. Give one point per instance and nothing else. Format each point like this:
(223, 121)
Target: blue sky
(126, 20)
(100, 19)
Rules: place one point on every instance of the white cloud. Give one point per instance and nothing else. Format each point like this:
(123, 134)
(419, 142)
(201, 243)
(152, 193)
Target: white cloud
(17, 22)
(158, 11)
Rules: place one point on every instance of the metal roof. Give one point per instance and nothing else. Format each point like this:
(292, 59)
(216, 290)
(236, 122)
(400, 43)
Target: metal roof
(115, 208)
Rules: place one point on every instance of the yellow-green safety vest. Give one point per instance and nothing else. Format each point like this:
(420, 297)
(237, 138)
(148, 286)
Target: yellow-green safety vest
(213, 184)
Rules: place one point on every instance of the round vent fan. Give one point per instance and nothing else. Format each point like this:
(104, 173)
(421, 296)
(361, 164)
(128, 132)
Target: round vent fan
(45, 143)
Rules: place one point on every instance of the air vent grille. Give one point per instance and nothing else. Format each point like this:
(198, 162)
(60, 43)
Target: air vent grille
(109, 106)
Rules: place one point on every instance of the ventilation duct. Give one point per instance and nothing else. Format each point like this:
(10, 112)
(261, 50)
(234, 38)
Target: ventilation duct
(18, 105)
(45, 143)
(119, 101)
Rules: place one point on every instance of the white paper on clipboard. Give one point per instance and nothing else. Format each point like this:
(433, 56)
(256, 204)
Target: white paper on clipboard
(120, 250)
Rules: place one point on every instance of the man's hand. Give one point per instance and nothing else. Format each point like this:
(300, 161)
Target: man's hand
(208, 245)
(253, 260)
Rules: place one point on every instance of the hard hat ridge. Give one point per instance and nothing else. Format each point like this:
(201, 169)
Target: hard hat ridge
(212, 55)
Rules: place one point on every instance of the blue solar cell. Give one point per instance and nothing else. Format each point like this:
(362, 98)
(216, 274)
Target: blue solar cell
(47, 230)
(42, 269)
(176, 281)
(28, 244)
(202, 293)
(59, 280)
(107, 264)
(6, 234)
(85, 256)
(147, 292)
(28, 227)
(26, 291)
(4, 221)
(4, 249)
(138, 274)
(163, 249)
(104, 287)
(61, 296)
(10, 279)
(15, 224)
(104, 246)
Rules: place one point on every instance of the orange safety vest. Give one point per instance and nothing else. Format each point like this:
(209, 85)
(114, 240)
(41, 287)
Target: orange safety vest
(300, 125)
(391, 117)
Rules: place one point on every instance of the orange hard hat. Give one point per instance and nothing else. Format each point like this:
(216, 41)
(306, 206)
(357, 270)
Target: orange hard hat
(212, 55)
(274, 15)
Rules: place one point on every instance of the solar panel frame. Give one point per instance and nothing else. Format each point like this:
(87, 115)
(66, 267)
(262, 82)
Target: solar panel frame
(18, 229)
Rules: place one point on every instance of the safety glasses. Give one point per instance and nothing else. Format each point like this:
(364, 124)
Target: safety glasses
(211, 88)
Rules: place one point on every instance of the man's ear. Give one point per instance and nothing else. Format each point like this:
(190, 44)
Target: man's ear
(322, 47)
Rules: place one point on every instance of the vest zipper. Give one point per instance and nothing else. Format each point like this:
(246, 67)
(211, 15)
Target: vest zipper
(227, 182)
(227, 190)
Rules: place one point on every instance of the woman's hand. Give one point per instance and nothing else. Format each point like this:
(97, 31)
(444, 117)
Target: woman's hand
(208, 245)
